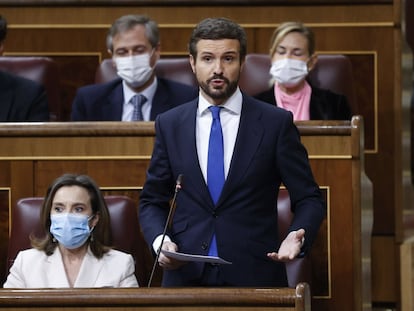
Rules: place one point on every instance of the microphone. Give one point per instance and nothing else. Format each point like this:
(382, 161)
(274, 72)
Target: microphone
(168, 224)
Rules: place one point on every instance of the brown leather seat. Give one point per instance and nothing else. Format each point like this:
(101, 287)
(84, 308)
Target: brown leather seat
(332, 72)
(126, 234)
(176, 69)
(43, 70)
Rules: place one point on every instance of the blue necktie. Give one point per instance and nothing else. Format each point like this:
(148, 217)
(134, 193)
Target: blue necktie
(138, 101)
(215, 165)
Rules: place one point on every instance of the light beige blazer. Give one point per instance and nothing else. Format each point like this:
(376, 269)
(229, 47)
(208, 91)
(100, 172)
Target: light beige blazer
(34, 269)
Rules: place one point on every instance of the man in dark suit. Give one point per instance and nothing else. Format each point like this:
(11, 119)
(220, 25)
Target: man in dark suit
(20, 99)
(133, 41)
(261, 149)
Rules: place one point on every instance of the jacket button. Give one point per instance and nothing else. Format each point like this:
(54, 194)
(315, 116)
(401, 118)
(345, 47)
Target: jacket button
(204, 245)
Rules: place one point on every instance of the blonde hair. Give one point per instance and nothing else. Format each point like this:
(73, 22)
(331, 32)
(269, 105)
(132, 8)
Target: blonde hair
(288, 27)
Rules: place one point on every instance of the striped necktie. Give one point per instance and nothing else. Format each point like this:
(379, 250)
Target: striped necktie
(138, 100)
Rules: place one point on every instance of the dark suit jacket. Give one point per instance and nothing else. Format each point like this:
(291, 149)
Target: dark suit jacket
(324, 104)
(103, 102)
(22, 99)
(267, 152)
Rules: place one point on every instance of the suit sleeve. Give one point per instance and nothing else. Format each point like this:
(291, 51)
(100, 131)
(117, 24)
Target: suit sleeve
(15, 279)
(306, 200)
(39, 108)
(78, 110)
(158, 189)
(128, 277)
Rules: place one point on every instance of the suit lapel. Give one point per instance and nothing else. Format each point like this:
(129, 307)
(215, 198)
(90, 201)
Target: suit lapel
(248, 139)
(159, 100)
(186, 143)
(112, 108)
(55, 271)
(89, 270)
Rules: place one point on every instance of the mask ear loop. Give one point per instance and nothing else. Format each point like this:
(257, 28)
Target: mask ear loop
(91, 234)
(91, 230)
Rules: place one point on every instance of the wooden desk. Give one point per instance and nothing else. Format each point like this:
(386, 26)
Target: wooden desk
(116, 155)
(154, 299)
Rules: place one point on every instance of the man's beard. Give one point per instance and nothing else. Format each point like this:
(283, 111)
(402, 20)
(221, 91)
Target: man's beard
(222, 93)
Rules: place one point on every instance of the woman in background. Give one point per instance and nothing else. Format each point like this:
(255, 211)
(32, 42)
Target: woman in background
(74, 252)
(293, 56)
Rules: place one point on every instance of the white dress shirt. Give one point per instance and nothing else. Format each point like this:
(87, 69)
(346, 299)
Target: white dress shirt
(229, 119)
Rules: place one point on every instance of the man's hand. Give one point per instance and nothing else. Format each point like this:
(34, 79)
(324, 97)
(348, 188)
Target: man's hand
(290, 247)
(168, 263)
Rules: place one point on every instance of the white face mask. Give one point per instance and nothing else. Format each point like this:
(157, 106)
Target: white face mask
(135, 69)
(289, 72)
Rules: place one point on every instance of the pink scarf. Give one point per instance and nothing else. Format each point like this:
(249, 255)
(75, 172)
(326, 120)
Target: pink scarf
(297, 103)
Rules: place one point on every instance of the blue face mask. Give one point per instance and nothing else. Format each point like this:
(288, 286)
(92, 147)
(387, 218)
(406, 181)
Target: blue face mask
(71, 230)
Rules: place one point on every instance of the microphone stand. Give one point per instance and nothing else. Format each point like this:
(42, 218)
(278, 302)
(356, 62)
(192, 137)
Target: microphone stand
(167, 225)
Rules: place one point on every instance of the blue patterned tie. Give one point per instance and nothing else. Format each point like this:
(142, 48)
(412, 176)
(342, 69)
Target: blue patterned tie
(138, 101)
(215, 165)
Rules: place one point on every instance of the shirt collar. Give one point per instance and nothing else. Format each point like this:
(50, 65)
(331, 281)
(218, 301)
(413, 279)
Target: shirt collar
(232, 104)
(148, 92)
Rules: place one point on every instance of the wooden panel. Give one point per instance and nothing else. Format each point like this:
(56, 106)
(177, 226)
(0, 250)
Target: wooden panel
(4, 224)
(385, 291)
(265, 15)
(117, 154)
(407, 276)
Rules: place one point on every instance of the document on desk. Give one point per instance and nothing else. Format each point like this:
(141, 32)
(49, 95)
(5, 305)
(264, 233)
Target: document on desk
(190, 257)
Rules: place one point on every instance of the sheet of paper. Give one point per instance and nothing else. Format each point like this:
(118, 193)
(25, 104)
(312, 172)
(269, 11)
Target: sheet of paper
(190, 257)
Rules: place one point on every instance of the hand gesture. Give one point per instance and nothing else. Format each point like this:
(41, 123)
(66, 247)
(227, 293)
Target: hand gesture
(290, 247)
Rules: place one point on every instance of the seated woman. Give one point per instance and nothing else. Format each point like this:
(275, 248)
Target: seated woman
(75, 251)
(293, 56)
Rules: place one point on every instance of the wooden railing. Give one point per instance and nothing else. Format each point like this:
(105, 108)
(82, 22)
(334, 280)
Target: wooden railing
(154, 299)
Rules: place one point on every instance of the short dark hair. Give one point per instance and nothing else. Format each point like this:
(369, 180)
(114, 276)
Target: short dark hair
(3, 28)
(127, 22)
(102, 231)
(216, 29)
